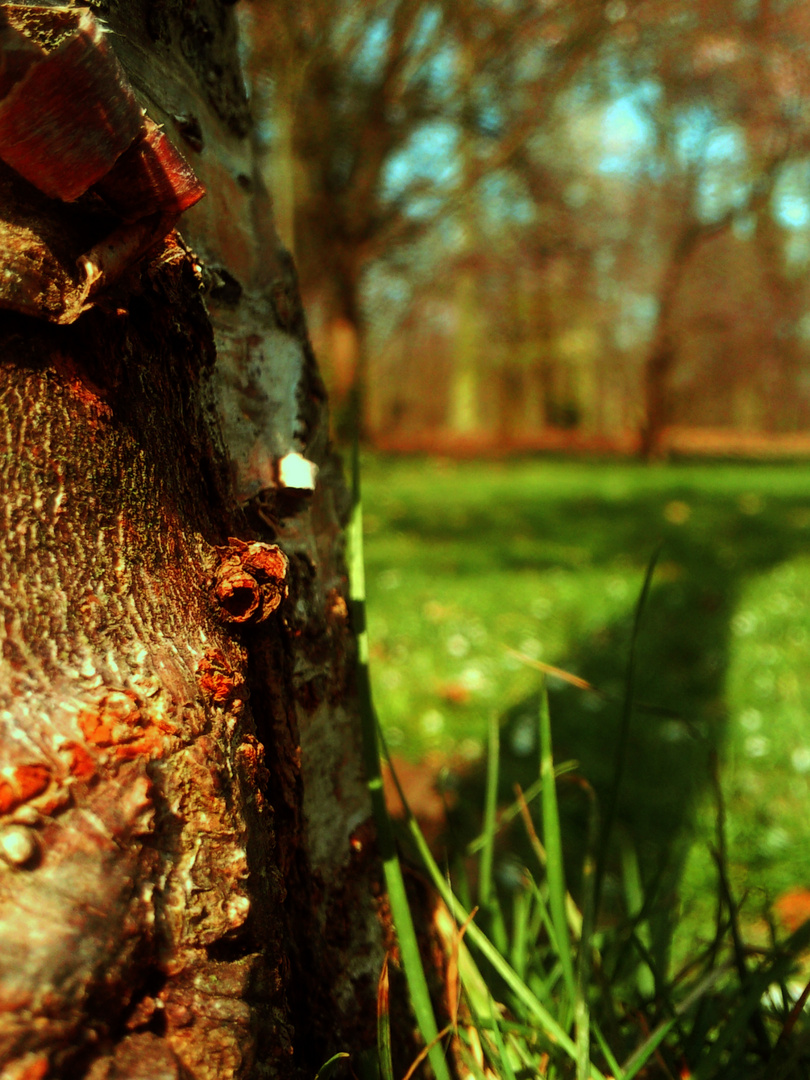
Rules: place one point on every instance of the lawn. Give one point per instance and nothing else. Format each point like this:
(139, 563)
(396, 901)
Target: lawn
(470, 563)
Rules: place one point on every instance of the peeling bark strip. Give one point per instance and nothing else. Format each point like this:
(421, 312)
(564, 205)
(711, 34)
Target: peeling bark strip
(181, 896)
(67, 112)
(71, 127)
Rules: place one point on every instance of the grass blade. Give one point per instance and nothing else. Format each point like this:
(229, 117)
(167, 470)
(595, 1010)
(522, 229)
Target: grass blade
(615, 1068)
(583, 971)
(490, 810)
(639, 1058)
(521, 903)
(384, 1026)
(329, 1066)
(552, 1029)
(612, 801)
(395, 884)
(758, 982)
(509, 813)
(552, 839)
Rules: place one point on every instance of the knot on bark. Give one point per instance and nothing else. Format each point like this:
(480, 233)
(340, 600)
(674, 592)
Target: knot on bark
(250, 581)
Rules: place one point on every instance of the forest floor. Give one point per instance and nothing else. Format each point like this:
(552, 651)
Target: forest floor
(475, 570)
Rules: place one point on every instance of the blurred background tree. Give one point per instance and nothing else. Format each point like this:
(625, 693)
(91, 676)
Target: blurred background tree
(538, 224)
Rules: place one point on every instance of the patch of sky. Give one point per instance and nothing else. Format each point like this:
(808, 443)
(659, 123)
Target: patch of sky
(440, 73)
(790, 202)
(724, 146)
(716, 196)
(429, 157)
(627, 137)
(649, 93)
(724, 182)
(694, 127)
(427, 23)
(627, 131)
(792, 211)
(437, 68)
(490, 120)
(372, 50)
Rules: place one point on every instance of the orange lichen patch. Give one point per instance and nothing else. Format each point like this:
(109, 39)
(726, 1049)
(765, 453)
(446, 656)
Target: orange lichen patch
(31, 1067)
(250, 756)
(363, 836)
(115, 720)
(792, 909)
(81, 765)
(149, 745)
(54, 799)
(119, 724)
(336, 606)
(216, 677)
(21, 783)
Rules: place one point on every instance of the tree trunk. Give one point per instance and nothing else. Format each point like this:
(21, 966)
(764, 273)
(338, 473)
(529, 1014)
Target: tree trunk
(660, 362)
(187, 884)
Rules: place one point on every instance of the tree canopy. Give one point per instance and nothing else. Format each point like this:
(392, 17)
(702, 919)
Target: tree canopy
(587, 164)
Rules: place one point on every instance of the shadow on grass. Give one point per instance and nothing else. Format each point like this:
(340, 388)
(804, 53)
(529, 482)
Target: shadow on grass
(682, 663)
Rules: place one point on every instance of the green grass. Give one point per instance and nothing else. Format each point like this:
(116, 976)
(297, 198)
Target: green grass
(466, 561)
(516, 1007)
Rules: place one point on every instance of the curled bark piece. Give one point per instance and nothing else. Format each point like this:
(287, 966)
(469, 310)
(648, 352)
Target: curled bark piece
(150, 176)
(71, 129)
(236, 594)
(51, 264)
(249, 582)
(72, 113)
(17, 53)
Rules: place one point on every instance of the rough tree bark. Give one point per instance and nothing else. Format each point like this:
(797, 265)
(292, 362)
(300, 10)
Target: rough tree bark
(186, 879)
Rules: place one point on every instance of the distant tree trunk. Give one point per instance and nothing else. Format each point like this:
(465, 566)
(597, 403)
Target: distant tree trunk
(347, 332)
(662, 356)
(782, 407)
(187, 878)
(463, 418)
(662, 353)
